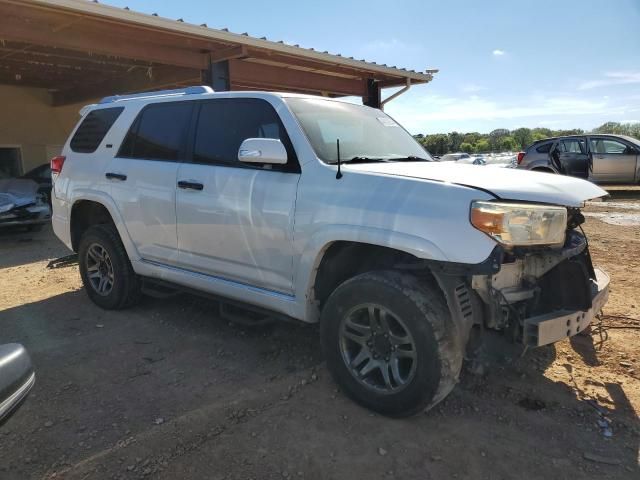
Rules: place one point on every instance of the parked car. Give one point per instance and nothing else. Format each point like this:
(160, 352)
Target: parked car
(599, 158)
(318, 210)
(454, 157)
(16, 379)
(21, 205)
(42, 176)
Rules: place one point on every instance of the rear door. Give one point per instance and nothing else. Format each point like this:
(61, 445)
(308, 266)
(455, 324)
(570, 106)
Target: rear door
(613, 160)
(570, 156)
(143, 178)
(235, 220)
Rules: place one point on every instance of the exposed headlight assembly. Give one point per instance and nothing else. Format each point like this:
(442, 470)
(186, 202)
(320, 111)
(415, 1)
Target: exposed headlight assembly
(520, 224)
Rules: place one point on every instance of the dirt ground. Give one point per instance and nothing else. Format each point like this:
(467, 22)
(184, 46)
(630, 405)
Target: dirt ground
(168, 390)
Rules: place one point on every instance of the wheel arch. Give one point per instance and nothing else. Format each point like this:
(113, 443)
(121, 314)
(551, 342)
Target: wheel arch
(349, 253)
(94, 209)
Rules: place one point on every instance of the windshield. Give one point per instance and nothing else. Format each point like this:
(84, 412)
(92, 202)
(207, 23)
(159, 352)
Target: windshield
(365, 134)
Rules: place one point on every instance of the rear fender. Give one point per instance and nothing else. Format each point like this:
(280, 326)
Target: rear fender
(106, 201)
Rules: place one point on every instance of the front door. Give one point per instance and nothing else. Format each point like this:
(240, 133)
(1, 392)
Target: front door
(143, 178)
(235, 221)
(570, 157)
(613, 160)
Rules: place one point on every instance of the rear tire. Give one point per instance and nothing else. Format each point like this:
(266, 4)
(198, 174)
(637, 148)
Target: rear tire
(417, 351)
(106, 271)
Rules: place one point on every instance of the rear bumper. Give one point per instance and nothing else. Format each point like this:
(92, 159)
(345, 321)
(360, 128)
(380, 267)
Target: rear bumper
(555, 326)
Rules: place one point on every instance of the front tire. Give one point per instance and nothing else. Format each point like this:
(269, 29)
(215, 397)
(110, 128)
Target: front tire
(106, 271)
(389, 344)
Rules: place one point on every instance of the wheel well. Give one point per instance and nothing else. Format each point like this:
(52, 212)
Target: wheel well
(85, 214)
(543, 169)
(343, 260)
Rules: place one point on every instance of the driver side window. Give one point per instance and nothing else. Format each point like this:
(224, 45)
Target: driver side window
(225, 123)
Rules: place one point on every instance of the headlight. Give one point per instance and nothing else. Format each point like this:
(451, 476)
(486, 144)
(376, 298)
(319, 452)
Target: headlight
(516, 224)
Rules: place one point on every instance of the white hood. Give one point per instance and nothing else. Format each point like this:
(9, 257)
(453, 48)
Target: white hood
(505, 183)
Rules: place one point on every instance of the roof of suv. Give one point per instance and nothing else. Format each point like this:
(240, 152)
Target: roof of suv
(192, 93)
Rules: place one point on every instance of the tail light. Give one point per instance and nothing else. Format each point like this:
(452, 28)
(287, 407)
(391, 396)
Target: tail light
(520, 157)
(57, 163)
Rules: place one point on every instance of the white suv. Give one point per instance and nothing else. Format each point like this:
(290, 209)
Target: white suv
(324, 211)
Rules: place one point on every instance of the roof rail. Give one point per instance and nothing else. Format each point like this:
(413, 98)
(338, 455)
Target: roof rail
(158, 93)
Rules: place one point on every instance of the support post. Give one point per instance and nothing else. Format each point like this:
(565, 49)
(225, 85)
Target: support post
(372, 96)
(218, 77)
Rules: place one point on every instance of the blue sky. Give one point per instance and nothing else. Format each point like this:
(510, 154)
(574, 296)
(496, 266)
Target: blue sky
(549, 63)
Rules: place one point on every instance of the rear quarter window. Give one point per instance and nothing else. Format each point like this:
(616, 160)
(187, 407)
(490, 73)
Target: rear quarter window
(93, 129)
(544, 148)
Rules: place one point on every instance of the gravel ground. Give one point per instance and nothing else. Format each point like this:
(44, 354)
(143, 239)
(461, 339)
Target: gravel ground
(169, 390)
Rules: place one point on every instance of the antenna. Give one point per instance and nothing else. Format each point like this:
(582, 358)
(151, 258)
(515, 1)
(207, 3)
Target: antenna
(339, 174)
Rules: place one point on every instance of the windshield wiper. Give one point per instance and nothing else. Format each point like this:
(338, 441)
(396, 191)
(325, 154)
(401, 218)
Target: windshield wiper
(360, 160)
(410, 158)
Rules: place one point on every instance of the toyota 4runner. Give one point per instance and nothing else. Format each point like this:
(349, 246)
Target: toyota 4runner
(323, 211)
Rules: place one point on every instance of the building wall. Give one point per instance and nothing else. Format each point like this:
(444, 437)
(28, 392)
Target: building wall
(28, 120)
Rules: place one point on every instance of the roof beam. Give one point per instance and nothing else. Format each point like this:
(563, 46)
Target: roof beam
(17, 29)
(249, 74)
(135, 81)
(230, 53)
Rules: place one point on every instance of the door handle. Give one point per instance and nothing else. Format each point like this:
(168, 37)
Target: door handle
(190, 185)
(115, 176)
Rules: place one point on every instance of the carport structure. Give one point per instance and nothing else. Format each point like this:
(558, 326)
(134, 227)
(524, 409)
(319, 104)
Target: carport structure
(57, 55)
(81, 50)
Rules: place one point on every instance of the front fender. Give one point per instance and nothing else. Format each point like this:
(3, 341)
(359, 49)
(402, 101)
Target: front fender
(322, 239)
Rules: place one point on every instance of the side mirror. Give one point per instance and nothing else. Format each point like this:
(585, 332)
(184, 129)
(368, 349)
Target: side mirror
(16, 378)
(263, 150)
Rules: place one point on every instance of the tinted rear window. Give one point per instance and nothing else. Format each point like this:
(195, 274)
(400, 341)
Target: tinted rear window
(159, 132)
(544, 148)
(93, 129)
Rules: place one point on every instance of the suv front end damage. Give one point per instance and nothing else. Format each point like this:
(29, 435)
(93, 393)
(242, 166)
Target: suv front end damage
(543, 294)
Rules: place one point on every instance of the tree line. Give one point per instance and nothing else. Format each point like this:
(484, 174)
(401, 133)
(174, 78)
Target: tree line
(502, 140)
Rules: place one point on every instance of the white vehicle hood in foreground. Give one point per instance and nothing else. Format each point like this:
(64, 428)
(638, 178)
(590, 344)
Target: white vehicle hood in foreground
(505, 183)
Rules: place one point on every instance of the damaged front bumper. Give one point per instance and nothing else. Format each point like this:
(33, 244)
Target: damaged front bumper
(538, 297)
(555, 326)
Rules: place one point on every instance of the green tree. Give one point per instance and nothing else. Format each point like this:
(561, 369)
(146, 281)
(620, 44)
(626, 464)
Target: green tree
(483, 146)
(467, 148)
(523, 137)
(455, 139)
(508, 144)
(496, 136)
(437, 144)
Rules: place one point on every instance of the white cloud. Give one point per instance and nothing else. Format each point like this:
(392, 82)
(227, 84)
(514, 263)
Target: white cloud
(498, 53)
(611, 78)
(430, 112)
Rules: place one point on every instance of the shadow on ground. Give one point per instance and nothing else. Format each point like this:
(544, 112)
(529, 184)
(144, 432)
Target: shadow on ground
(169, 390)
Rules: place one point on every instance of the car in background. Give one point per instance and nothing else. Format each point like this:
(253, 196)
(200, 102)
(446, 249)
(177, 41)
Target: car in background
(454, 157)
(598, 157)
(21, 204)
(42, 176)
